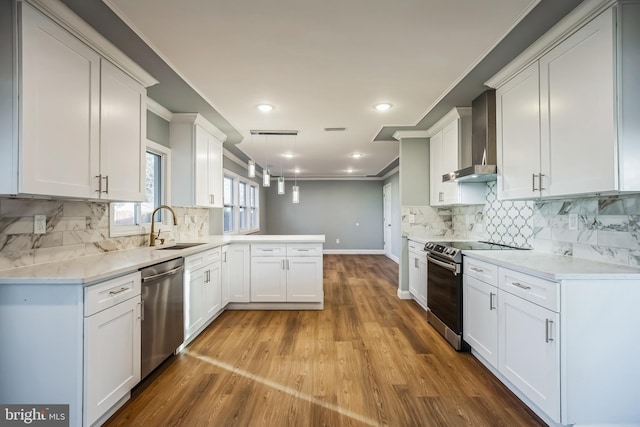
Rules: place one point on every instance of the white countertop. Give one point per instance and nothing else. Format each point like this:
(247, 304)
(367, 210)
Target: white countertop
(554, 267)
(90, 269)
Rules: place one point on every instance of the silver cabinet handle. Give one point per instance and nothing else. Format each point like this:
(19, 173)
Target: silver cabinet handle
(224, 257)
(540, 182)
(119, 291)
(521, 286)
(548, 328)
(479, 270)
(533, 182)
(491, 306)
(287, 264)
(415, 262)
(282, 264)
(99, 190)
(454, 268)
(106, 184)
(141, 310)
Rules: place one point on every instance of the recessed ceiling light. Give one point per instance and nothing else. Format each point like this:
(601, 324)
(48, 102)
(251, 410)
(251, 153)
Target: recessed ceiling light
(265, 108)
(288, 155)
(356, 155)
(383, 107)
(349, 170)
(296, 171)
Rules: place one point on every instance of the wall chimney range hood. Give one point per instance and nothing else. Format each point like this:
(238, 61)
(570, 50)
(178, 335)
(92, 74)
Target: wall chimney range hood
(483, 143)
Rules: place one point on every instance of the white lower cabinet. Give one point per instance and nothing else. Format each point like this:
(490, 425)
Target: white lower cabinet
(62, 343)
(552, 343)
(236, 273)
(530, 351)
(480, 318)
(112, 344)
(418, 273)
(202, 291)
(286, 273)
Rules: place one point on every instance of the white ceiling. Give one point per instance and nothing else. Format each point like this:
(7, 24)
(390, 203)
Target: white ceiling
(322, 64)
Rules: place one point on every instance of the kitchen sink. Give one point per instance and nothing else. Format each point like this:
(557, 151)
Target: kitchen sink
(178, 246)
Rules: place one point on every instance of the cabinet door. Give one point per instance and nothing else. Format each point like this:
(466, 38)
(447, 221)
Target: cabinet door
(60, 107)
(480, 318)
(304, 279)
(201, 166)
(212, 291)
(529, 351)
(215, 172)
(236, 266)
(518, 135)
(449, 163)
(123, 130)
(435, 164)
(414, 275)
(193, 296)
(577, 112)
(112, 356)
(422, 280)
(268, 279)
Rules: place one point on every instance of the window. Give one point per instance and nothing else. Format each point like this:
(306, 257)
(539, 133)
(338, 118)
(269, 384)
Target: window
(241, 214)
(135, 217)
(228, 204)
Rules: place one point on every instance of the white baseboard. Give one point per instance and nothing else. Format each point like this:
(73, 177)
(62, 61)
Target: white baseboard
(392, 257)
(404, 294)
(353, 252)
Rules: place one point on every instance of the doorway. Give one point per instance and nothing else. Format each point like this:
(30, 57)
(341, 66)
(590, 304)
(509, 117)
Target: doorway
(386, 200)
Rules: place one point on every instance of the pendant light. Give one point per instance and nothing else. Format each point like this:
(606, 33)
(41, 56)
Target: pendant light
(295, 191)
(281, 177)
(266, 175)
(251, 164)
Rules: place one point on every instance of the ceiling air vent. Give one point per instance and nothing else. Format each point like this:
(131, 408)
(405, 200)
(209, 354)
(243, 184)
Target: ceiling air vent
(273, 132)
(335, 129)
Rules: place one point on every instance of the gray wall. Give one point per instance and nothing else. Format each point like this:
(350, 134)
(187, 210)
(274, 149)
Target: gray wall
(331, 208)
(157, 129)
(394, 180)
(414, 172)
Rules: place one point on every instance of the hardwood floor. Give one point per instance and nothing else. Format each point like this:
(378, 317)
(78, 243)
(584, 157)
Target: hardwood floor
(367, 359)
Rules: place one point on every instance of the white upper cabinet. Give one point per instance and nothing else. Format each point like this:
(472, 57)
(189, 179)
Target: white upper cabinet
(446, 139)
(60, 111)
(123, 130)
(566, 122)
(518, 134)
(197, 161)
(76, 124)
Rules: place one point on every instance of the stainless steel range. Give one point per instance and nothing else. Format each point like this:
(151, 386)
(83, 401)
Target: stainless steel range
(444, 286)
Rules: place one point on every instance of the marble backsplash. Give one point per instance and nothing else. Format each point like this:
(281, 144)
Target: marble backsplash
(75, 229)
(607, 228)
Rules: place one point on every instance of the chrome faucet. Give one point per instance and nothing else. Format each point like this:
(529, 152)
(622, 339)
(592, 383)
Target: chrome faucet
(152, 235)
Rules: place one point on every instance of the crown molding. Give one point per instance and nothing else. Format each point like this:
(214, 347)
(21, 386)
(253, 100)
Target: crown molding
(159, 110)
(402, 134)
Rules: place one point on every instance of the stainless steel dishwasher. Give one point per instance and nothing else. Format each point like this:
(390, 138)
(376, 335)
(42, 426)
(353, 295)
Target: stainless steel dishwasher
(162, 313)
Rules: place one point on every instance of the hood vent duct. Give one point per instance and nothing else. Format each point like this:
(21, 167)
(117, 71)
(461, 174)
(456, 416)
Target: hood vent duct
(483, 143)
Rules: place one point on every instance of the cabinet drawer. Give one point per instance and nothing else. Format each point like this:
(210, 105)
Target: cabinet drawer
(268, 249)
(415, 246)
(481, 270)
(534, 289)
(193, 262)
(107, 294)
(304, 249)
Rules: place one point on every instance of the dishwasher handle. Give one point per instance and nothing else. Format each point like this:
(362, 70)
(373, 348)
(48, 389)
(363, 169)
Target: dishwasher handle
(166, 273)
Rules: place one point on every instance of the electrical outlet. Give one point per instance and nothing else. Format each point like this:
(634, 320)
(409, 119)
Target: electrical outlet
(39, 224)
(573, 221)
(338, 241)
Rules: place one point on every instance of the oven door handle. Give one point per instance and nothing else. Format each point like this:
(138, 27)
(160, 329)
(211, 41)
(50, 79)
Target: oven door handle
(453, 268)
